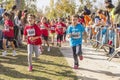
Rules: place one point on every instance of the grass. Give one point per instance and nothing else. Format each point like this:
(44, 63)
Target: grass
(49, 66)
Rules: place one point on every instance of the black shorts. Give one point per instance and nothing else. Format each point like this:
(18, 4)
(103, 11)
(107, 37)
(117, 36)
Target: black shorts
(59, 37)
(8, 38)
(45, 37)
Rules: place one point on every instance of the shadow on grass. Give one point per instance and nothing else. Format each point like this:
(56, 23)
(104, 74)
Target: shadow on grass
(10, 72)
(52, 63)
(21, 59)
(18, 60)
(62, 73)
(53, 52)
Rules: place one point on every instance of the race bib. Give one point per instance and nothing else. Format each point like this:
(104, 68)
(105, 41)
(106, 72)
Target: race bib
(42, 27)
(52, 28)
(31, 32)
(6, 28)
(76, 35)
(59, 26)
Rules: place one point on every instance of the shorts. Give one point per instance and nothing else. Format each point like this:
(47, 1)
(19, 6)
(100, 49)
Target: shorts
(59, 37)
(8, 38)
(45, 37)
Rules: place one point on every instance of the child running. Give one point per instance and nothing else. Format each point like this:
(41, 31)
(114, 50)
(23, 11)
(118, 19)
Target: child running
(52, 31)
(74, 32)
(8, 33)
(44, 30)
(32, 34)
(60, 31)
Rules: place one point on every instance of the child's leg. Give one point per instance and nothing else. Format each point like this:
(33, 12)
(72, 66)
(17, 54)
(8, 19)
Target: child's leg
(64, 36)
(4, 44)
(30, 51)
(52, 37)
(12, 44)
(4, 47)
(47, 42)
(36, 50)
(61, 38)
(80, 52)
(75, 56)
(57, 39)
(85, 37)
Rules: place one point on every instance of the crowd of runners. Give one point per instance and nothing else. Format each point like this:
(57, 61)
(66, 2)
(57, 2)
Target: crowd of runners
(102, 27)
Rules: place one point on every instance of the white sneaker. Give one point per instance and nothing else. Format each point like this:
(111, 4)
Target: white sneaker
(4, 53)
(48, 49)
(40, 52)
(14, 53)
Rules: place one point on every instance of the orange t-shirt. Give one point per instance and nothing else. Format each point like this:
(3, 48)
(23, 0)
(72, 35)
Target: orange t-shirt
(103, 18)
(87, 20)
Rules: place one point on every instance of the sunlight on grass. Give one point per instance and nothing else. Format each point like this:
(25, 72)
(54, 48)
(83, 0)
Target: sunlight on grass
(49, 66)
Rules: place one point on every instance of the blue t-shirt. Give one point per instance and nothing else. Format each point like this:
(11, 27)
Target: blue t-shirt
(104, 30)
(76, 34)
(1, 11)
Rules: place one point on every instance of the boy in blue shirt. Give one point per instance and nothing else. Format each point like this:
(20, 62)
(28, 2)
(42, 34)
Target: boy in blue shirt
(74, 32)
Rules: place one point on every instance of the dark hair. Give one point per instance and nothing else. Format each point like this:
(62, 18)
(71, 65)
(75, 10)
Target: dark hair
(25, 11)
(106, 1)
(14, 7)
(6, 14)
(86, 11)
(19, 14)
(100, 11)
(110, 6)
(24, 18)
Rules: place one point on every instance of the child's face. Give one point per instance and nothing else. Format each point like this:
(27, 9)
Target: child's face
(52, 22)
(74, 20)
(30, 20)
(43, 20)
(5, 17)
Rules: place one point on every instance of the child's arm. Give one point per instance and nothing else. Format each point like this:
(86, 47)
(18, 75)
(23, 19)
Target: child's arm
(24, 38)
(11, 28)
(34, 38)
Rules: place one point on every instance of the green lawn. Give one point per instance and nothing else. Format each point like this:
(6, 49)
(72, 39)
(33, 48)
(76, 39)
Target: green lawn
(49, 66)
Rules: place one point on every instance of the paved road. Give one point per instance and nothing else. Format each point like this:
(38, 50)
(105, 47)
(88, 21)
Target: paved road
(94, 66)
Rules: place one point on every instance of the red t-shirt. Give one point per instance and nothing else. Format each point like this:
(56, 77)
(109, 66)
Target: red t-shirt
(8, 32)
(81, 21)
(52, 28)
(44, 31)
(59, 28)
(33, 31)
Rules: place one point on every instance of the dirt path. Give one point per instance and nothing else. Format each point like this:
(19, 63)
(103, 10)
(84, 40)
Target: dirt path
(94, 66)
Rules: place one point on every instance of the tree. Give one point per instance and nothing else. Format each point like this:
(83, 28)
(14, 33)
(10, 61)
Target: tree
(61, 8)
(9, 4)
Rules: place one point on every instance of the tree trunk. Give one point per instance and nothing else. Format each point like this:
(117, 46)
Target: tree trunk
(18, 3)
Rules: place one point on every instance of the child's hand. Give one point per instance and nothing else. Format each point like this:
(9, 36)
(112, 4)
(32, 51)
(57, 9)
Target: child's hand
(69, 35)
(24, 40)
(33, 38)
